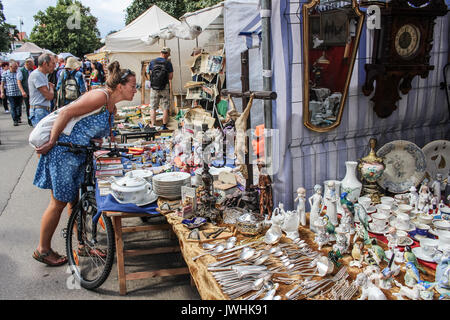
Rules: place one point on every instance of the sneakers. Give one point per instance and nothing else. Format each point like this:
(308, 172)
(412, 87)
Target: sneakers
(16, 123)
(6, 111)
(164, 127)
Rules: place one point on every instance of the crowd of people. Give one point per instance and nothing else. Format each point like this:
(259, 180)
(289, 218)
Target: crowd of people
(51, 84)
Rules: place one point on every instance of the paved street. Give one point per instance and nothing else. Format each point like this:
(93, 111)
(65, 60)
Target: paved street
(21, 208)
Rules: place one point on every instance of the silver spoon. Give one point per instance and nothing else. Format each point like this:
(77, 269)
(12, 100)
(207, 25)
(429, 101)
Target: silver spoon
(218, 249)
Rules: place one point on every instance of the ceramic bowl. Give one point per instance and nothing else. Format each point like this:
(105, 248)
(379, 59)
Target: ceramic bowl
(406, 208)
(425, 218)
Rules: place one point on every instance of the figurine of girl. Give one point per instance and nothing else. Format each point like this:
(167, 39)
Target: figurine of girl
(436, 186)
(315, 202)
(301, 209)
(330, 201)
(424, 198)
(413, 197)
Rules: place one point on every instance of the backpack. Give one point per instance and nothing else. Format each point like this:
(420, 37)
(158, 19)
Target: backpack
(71, 89)
(159, 77)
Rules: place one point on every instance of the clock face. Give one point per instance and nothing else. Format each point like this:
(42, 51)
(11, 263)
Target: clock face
(407, 40)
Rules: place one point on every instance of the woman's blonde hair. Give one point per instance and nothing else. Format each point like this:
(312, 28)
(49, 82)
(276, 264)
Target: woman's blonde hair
(118, 76)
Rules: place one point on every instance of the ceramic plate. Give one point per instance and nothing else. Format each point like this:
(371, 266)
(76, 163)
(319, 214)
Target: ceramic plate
(437, 156)
(171, 177)
(405, 166)
(406, 241)
(418, 251)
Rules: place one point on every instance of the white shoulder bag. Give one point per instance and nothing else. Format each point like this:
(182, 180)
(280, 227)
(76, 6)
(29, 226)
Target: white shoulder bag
(41, 133)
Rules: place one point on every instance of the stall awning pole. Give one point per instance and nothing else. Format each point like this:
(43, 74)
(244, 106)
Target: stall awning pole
(266, 7)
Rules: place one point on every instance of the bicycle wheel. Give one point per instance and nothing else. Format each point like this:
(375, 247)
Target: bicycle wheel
(90, 245)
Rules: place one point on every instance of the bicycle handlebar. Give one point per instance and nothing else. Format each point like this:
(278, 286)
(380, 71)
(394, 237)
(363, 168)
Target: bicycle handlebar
(74, 146)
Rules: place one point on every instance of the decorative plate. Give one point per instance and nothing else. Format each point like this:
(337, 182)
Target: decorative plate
(437, 156)
(405, 166)
(194, 222)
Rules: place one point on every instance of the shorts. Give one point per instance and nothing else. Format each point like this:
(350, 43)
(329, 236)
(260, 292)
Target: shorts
(160, 98)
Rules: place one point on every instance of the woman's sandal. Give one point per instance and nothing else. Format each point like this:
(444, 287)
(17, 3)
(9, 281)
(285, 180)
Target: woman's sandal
(84, 252)
(43, 257)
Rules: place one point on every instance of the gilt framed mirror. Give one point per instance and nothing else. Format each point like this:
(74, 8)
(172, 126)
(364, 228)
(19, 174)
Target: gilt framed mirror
(331, 33)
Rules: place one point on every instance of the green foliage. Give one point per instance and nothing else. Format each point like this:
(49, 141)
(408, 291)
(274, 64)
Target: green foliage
(57, 29)
(176, 8)
(5, 37)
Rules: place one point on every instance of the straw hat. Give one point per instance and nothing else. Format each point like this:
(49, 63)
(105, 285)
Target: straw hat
(72, 63)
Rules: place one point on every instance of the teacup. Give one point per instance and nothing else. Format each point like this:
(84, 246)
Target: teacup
(383, 209)
(365, 202)
(442, 224)
(405, 208)
(444, 237)
(379, 221)
(403, 220)
(422, 229)
(425, 218)
(429, 246)
(387, 200)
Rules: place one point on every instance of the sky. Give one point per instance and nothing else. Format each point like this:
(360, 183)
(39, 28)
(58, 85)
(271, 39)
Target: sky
(110, 13)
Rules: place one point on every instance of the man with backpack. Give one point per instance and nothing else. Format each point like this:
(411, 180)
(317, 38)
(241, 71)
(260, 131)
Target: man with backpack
(160, 71)
(71, 83)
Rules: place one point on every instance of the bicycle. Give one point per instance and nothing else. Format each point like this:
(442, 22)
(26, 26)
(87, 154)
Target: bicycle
(89, 235)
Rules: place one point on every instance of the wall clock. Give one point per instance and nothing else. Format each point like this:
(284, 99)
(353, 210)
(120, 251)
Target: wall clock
(401, 50)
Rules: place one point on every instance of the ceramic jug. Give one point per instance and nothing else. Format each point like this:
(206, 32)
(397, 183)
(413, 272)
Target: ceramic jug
(350, 183)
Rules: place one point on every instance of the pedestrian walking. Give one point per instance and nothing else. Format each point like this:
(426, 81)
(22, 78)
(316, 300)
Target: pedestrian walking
(71, 83)
(61, 171)
(10, 88)
(22, 82)
(4, 67)
(160, 73)
(41, 90)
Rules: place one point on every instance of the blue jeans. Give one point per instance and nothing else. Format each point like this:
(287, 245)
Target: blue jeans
(37, 115)
(15, 104)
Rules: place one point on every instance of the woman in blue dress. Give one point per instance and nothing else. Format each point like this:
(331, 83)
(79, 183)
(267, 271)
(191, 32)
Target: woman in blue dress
(62, 172)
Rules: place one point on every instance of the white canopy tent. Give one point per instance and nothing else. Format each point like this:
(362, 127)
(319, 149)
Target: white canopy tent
(144, 37)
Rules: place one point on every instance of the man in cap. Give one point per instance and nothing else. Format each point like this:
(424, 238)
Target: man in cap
(71, 82)
(160, 71)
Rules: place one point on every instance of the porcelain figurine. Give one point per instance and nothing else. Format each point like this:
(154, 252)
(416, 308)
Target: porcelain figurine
(265, 192)
(301, 208)
(330, 229)
(413, 197)
(436, 187)
(347, 225)
(424, 198)
(290, 224)
(342, 241)
(316, 204)
(350, 183)
(321, 237)
(377, 252)
(409, 256)
(330, 201)
(411, 293)
(434, 204)
(274, 233)
(412, 276)
(387, 274)
(442, 276)
(356, 255)
(369, 290)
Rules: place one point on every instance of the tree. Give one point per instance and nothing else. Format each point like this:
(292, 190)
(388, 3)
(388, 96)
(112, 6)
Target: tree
(175, 8)
(5, 37)
(67, 27)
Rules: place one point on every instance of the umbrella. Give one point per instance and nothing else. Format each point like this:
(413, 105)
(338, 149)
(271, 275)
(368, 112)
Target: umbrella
(64, 55)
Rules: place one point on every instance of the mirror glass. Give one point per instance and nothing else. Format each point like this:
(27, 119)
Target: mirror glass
(331, 32)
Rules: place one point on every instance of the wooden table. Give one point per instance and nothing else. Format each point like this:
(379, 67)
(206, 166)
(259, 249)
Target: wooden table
(119, 230)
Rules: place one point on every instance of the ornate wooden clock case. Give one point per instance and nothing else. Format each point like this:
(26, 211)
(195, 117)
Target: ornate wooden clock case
(401, 50)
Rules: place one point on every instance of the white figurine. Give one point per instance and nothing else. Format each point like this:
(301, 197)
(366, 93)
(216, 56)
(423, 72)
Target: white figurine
(330, 201)
(301, 209)
(315, 202)
(290, 224)
(413, 197)
(274, 233)
(424, 198)
(436, 186)
(369, 290)
(413, 294)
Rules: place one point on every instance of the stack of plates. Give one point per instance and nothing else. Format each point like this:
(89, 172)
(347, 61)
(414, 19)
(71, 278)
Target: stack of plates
(168, 184)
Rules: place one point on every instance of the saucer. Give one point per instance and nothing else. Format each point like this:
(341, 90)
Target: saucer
(417, 237)
(407, 241)
(412, 226)
(418, 251)
(377, 231)
(152, 197)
